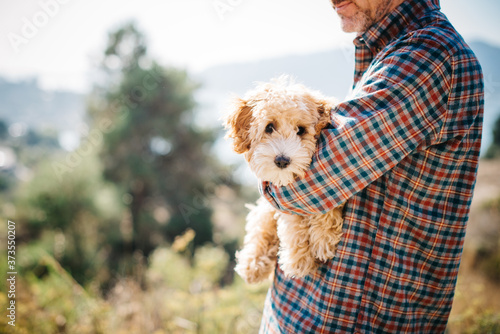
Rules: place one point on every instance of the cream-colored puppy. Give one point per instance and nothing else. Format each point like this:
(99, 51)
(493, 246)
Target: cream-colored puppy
(276, 127)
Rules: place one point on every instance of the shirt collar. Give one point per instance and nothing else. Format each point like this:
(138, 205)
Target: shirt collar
(397, 22)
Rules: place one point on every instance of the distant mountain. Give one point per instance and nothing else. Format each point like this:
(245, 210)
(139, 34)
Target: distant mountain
(26, 102)
(489, 57)
(328, 71)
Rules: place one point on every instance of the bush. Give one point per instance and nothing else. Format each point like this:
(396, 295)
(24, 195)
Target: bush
(486, 324)
(182, 294)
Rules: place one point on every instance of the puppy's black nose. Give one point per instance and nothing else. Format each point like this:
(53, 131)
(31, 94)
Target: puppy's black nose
(281, 161)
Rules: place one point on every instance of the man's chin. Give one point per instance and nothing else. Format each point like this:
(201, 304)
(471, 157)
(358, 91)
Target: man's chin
(347, 28)
(353, 25)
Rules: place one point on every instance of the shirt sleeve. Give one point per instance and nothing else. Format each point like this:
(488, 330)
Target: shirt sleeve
(397, 108)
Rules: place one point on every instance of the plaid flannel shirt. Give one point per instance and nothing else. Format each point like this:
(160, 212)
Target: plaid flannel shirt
(402, 155)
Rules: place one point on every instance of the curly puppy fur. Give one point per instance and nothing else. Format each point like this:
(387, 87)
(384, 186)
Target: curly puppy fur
(276, 127)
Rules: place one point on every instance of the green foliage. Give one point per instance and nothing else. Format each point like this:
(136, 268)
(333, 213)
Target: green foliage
(151, 150)
(3, 130)
(170, 269)
(210, 265)
(493, 151)
(32, 147)
(59, 202)
(178, 298)
(142, 176)
(488, 260)
(201, 271)
(51, 301)
(61, 217)
(488, 323)
(6, 180)
(487, 257)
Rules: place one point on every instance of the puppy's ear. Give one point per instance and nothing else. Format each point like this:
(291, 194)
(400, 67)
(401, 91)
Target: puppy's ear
(324, 108)
(237, 122)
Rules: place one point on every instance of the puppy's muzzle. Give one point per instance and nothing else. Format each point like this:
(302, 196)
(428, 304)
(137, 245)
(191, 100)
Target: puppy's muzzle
(281, 161)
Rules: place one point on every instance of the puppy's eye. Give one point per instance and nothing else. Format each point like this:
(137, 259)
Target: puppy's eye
(270, 128)
(301, 131)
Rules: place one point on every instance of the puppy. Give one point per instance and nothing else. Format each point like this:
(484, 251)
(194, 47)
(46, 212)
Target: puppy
(276, 126)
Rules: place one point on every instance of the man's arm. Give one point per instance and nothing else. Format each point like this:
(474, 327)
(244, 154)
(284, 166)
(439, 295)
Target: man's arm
(397, 109)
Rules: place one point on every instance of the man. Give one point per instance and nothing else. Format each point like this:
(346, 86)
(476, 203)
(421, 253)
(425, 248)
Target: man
(402, 154)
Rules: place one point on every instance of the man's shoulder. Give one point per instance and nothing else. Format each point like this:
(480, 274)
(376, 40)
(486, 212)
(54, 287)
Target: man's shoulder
(436, 34)
(436, 30)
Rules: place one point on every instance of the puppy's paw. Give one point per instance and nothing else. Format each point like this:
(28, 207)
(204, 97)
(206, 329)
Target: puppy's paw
(253, 269)
(325, 233)
(297, 262)
(324, 249)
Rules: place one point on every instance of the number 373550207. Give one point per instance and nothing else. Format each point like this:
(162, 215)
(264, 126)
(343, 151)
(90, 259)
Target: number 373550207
(11, 245)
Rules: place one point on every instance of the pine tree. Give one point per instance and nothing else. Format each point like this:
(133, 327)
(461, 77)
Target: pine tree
(150, 148)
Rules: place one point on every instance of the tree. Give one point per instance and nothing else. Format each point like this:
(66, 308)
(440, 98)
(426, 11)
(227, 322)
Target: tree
(150, 148)
(4, 133)
(60, 217)
(494, 149)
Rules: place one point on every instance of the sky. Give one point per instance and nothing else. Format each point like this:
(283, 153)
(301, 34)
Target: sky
(60, 41)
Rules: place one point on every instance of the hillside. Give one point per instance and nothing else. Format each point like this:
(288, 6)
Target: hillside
(476, 293)
(26, 102)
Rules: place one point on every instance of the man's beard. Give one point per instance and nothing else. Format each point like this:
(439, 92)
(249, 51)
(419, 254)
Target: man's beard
(359, 23)
(364, 18)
